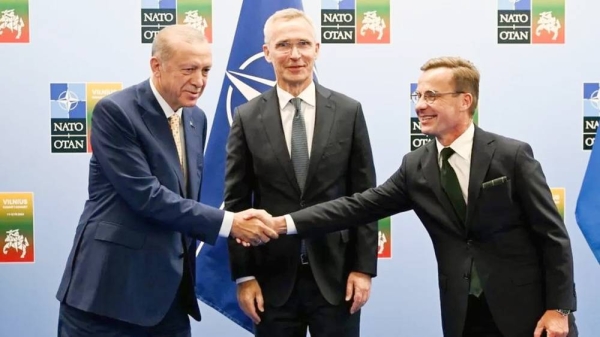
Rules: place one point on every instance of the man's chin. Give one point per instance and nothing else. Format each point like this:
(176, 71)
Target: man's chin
(189, 102)
(297, 80)
(426, 131)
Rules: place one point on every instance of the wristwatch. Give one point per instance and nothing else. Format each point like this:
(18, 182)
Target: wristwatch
(563, 312)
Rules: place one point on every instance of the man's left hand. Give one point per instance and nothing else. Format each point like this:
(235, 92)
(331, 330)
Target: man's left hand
(359, 285)
(555, 325)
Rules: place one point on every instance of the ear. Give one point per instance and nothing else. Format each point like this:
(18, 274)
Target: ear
(467, 102)
(267, 53)
(155, 66)
(317, 48)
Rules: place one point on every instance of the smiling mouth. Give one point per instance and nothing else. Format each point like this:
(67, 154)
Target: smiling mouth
(426, 118)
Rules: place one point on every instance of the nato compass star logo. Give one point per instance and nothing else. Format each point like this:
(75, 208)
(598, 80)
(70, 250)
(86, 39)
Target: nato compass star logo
(595, 100)
(68, 117)
(248, 82)
(591, 113)
(68, 100)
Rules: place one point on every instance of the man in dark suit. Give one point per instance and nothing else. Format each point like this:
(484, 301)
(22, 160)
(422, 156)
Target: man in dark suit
(504, 256)
(131, 269)
(297, 145)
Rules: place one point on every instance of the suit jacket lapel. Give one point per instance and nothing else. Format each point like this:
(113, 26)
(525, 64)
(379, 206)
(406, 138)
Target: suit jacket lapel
(271, 119)
(431, 171)
(157, 123)
(481, 158)
(192, 149)
(325, 115)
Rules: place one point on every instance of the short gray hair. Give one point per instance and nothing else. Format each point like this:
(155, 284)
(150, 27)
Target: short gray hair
(162, 44)
(286, 15)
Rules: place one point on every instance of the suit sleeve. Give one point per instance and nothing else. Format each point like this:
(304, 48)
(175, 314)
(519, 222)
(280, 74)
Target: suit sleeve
(121, 157)
(549, 230)
(239, 186)
(359, 209)
(360, 178)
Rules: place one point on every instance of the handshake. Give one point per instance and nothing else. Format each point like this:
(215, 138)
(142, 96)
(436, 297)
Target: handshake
(256, 227)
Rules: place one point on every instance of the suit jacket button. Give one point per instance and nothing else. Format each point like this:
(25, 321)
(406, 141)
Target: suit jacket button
(181, 255)
(466, 276)
(302, 204)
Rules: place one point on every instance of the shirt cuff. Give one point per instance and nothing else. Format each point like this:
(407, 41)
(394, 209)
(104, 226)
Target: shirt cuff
(226, 224)
(290, 225)
(244, 279)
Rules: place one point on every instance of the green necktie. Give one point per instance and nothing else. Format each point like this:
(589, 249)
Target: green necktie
(451, 187)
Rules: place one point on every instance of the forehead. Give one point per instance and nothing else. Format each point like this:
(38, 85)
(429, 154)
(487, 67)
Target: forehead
(197, 52)
(297, 28)
(436, 79)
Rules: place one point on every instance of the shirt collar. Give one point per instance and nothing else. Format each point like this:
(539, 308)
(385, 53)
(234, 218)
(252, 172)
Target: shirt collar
(308, 95)
(463, 145)
(168, 111)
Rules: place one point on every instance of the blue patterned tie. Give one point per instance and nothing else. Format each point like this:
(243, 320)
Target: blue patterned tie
(299, 154)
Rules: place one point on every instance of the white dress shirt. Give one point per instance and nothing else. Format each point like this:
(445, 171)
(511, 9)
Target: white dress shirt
(461, 159)
(287, 111)
(168, 111)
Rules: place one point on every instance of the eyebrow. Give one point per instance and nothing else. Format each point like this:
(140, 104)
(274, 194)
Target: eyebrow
(290, 40)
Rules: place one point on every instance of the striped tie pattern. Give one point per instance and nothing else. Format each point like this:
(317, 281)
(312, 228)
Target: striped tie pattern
(174, 122)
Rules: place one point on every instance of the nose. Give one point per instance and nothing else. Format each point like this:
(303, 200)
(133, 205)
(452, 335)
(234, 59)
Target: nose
(295, 53)
(198, 79)
(421, 104)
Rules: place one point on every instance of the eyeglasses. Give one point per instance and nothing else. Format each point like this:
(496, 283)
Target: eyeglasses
(286, 46)
(431, 95)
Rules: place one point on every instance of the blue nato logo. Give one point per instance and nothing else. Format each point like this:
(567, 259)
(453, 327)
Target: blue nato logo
(338, 21)
(417, 138)
(246, 81)
(68, 117)
(514, 21)
(591, 113)
(156, 15)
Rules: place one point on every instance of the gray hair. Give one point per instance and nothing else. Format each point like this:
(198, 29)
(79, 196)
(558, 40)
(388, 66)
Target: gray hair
(285, 15)
(162, 45)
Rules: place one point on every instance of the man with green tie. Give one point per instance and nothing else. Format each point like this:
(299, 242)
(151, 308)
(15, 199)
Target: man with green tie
(504, 255)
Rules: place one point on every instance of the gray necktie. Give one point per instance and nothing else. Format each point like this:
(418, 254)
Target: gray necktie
(300, 157)
(299, 154)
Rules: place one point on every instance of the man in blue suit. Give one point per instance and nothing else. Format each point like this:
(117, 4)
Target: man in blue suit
(130, 271)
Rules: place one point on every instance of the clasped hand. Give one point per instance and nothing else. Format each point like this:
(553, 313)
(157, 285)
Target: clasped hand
(254, 227)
